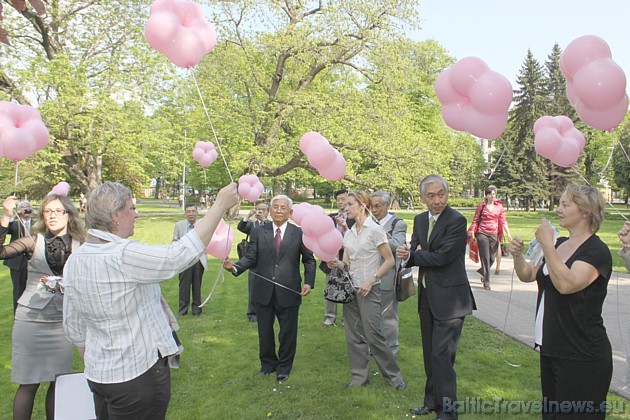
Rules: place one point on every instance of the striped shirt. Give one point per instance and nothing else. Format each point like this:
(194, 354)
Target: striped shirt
(112, 302)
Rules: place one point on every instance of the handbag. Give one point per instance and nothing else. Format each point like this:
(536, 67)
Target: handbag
(473, 251)
(405, 288)
(241, 247)
(339, 287)
(505, 251)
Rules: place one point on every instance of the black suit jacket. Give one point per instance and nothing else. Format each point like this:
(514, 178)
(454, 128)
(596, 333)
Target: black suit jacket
(442, 261)
(247, 227)
(16, 230)
(283, 268)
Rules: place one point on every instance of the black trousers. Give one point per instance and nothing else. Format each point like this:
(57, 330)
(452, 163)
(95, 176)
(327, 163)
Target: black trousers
(18, 277)
(287, 337)
(144, 397)
(581, 385)
(440, 339)
(488, 246)
(191, 277)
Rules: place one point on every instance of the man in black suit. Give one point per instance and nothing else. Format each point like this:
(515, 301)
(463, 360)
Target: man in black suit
(275, 251)
(19, 227)
(260, 212)
(438, 247)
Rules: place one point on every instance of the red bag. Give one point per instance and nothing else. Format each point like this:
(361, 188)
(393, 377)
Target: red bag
(473, 252)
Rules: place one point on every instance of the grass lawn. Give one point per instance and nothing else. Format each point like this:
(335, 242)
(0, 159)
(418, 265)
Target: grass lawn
(216, 379)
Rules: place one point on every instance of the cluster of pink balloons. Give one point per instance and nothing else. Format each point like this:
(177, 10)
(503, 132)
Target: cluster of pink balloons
(179, 30)
(474, 98)
(62, 188)
(557, 139)
(221, 242)
(22, 131)
(596, 85)
(250, 187)
(204, 153)
(318, 231)
(322, 156)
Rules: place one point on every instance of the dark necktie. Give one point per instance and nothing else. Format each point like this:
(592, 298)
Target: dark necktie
(278, 240)
(431, 224)
(190, 227)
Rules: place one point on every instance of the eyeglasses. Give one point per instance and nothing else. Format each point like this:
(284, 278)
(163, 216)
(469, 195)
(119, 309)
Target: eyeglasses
(27, 211)
(58, 212)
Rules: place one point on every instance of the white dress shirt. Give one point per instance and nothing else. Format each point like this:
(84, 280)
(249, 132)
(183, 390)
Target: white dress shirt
(362, 249)
(112, 303)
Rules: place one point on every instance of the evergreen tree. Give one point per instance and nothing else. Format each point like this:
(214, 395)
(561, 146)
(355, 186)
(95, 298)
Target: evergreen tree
(521, 169)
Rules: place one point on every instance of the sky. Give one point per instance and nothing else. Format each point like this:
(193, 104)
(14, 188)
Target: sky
(501, 31)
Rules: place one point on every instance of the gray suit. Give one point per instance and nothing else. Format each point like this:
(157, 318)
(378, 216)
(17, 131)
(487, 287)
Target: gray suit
(395, 238)
(191, 277)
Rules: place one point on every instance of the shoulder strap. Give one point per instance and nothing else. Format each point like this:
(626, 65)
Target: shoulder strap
(394, 225)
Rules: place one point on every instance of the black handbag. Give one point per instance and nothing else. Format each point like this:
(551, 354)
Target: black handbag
(339, 287)
(241, 247)
(405, 287)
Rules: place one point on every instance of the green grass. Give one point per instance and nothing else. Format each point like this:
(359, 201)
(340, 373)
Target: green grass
(216, 378)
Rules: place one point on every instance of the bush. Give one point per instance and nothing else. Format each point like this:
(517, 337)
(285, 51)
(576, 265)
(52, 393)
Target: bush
(463, 202)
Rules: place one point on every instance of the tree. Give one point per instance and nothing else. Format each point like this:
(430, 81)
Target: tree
(621, 160)
(87, 67)
(522, 170)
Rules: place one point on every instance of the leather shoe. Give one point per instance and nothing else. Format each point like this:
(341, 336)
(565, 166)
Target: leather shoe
(422, 411)
(486, 285)
(282, 377)
(401, 386)
(355, 385)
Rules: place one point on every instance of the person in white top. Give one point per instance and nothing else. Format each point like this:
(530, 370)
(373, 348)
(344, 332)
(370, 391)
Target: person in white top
(369, 257)
(112, 309)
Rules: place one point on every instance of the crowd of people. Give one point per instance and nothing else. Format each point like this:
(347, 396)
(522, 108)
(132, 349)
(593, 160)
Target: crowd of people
(99, 291)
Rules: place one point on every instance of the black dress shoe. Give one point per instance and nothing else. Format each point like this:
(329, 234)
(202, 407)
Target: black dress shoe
(282, 377)
(422, 411)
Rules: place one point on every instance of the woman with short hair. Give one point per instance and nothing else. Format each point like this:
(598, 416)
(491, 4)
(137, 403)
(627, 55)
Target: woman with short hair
(112, 308)
(575, 353)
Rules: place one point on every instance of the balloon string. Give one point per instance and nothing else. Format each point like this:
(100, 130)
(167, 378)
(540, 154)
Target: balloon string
(15, 182)
(219, 275)
(609, 202)
(271, 281)
(612, 150)
(498, 160)
(505, 321)
(623, 149)
(211, 125)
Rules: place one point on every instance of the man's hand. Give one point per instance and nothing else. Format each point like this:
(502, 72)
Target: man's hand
(227, 264)
(402, 252)
(306, 290)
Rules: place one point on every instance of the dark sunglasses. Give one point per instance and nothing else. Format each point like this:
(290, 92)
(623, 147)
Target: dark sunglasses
(27, 211)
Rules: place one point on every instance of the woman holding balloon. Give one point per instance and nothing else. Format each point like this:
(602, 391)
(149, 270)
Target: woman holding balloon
(369, 257)
(112, 307)
(40, 350)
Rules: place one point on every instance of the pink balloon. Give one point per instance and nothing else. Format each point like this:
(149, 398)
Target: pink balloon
(320, 154)
(22, 131)
(444, 90)
(316, 224)
(250, 187)
(336, 171)
(603, 119)
(483, 125)
(331, 241)
(204, 153)
(178, 29)
(465, 73)
(573, 100)
(582, 51)
(558, 140)
(453, 114)
(600, 84)
(309, 137)
(492, 94)
(62, 188)
(221, 242)
(300, 211)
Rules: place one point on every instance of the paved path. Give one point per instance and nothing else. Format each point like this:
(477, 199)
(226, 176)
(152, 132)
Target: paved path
(493, 307)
